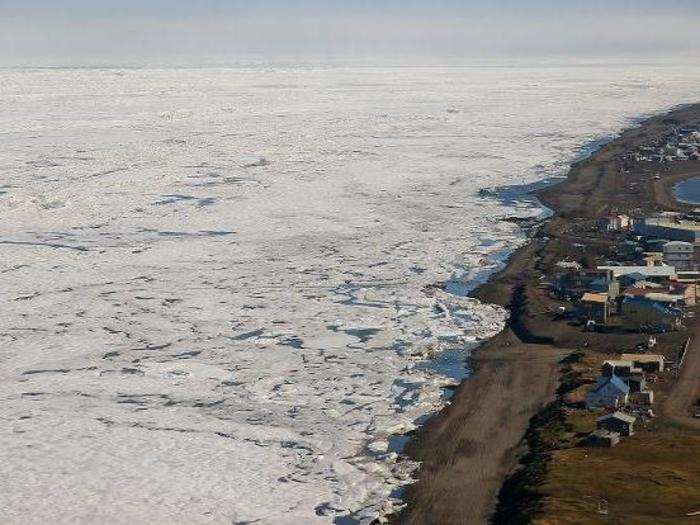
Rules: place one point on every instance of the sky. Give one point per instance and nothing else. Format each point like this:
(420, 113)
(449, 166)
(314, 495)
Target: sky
(93, 32)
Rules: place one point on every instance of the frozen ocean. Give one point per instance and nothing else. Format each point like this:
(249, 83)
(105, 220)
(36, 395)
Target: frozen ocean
(218, 284)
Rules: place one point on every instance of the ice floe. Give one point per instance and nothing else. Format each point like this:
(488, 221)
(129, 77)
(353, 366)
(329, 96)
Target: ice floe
(220, 286)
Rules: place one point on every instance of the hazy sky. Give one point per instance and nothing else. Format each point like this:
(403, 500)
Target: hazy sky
(73, 32)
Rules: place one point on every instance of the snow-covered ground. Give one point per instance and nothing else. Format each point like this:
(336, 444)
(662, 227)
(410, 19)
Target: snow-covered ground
(214, 281)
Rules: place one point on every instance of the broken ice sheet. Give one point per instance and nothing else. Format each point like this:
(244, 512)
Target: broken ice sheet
(268, 319)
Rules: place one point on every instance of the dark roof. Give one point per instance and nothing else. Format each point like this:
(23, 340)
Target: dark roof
(621, 416)
(660, 307)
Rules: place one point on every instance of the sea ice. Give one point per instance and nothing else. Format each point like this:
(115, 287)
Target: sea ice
(218, 284)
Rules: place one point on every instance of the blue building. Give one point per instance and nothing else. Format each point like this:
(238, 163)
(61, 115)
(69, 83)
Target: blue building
(610, 391)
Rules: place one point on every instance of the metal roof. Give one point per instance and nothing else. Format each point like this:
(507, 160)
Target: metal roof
(616, 381)
(643, 358)
(647, 271)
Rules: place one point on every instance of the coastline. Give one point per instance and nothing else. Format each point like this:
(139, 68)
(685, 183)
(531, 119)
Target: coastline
(470, 449)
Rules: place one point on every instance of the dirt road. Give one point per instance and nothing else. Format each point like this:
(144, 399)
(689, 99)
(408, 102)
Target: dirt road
(468, 451)
(677, 406)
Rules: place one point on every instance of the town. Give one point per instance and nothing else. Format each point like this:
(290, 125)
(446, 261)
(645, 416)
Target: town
(680, 144)
(647, 284)
(609, 286)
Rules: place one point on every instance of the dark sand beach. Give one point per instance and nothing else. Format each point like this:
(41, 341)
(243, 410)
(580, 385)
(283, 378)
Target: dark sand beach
(471, 447)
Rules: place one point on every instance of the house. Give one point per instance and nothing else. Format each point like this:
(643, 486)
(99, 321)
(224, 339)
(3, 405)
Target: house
(632, 279)
(629, 249)
(658, 294)
(647, 362)
(603, 438)
(594, 307)
(688, 291)
(569, 265)
(618, 422)
(655, 245)
(680, 254)
(653, 258)
(668, 227)
(619, 368)
(610, 391)
(614, 222)
(570, 283)
(673, 293)
(688, 277)
(641, 313)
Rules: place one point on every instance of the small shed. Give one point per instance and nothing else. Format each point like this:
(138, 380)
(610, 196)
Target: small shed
(603, 438)
(647, 362)
(594, 307)
(618, 422)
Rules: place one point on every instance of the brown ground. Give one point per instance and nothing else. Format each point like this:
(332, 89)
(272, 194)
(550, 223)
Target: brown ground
(466, 442)
(470, 447)
(677, 407)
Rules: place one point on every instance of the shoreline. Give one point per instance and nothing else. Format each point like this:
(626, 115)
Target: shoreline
(469, 449)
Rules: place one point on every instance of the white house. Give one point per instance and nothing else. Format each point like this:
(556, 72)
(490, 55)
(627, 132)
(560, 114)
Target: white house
(680, 255)
(608, 392)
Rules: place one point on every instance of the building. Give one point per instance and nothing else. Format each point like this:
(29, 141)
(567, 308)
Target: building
(671, 293)
(571, 283)
(618, 422)
(645, 398)
(671, 228)
(615, 222)
(609, 391)
(636, 382)
(653, 258)
(633, 279)
(569, 265)
(603, 438)
(686, 289)
(689, 277)
(649, 273)
(658, 294)
(647, 362)
(629, 249)
(594, 307)
(680, 255)
(618, 367)
(640, 313)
